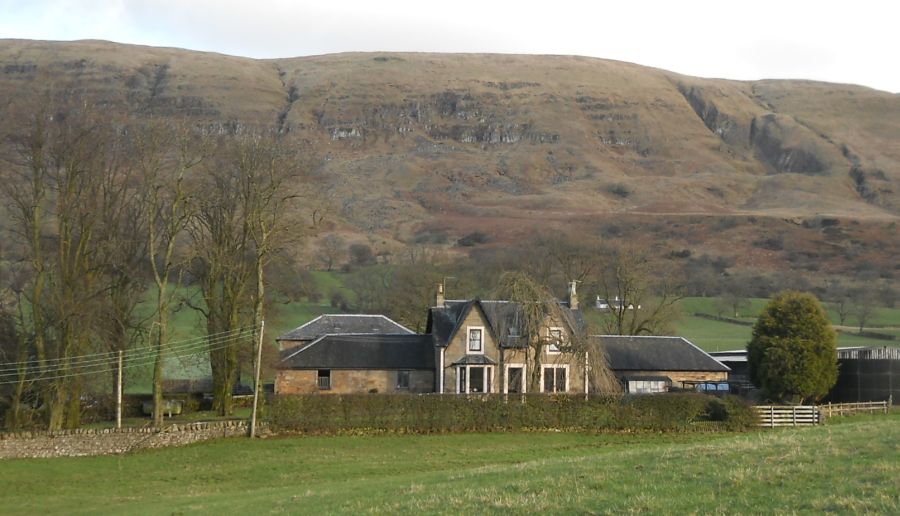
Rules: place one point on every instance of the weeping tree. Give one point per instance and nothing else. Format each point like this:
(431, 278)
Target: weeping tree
(537, 310)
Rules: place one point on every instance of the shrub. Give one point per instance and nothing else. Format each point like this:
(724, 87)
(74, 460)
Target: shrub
(338, 300)
(732, 411)
(619, 190)
(792, 355)
(472, 239)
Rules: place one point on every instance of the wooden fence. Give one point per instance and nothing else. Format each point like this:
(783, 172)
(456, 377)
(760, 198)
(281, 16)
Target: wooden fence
(842, 409)
(796, 415)
(799, 415)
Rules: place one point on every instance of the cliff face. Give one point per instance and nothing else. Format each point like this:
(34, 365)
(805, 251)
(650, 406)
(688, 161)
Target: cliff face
(406, 140)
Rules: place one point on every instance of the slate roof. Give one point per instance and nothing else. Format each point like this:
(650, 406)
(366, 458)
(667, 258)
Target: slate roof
(345, 323)
(362, 351)
(502, 317)
(474, 360)
(644, 353)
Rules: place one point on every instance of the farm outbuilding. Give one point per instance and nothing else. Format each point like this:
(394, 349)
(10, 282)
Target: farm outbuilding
(867, 374)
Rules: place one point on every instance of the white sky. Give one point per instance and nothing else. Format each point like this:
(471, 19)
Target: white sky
(852, 41)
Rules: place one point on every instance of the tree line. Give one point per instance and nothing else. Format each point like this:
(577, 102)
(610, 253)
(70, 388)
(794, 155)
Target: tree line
(104, 209)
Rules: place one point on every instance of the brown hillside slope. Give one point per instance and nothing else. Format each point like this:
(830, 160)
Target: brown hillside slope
(408, 140)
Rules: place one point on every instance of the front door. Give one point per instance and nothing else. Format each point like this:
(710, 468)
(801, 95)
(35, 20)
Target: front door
(476, 379)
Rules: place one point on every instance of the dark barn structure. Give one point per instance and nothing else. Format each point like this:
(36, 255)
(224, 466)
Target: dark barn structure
(867, 374)
(864, 374)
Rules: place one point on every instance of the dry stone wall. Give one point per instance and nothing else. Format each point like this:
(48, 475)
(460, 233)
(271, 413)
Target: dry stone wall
(83, 442)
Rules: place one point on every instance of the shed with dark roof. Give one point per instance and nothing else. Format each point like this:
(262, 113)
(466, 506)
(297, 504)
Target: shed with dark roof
(358, 363)
(654, 364)
(331, 324)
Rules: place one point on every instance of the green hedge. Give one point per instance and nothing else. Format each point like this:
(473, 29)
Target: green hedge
(327, 414)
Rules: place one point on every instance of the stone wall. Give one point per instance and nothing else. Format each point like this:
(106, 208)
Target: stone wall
(352, 381)
(681, 376)
(82, 442)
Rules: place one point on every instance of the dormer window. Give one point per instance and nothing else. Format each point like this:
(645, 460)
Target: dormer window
(476, 340)
(556, 336)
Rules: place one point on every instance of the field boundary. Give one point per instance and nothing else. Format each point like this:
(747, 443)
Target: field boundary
(788, 415)
(843, 409)
(109, 441)
(719, 318)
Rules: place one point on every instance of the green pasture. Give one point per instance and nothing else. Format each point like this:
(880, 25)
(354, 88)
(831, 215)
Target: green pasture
(851, 466)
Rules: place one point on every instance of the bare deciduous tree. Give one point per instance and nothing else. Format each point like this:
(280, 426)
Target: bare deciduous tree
(331, 249)
(166, 156)
(647, 295)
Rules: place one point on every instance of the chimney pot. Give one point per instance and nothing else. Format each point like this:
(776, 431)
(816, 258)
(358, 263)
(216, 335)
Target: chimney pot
(439, 296)
(573, 295)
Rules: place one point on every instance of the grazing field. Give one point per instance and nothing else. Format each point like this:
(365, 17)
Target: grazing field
(849, 465)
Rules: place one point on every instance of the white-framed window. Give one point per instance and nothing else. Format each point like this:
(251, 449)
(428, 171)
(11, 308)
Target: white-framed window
(475, 339)
(647, 386)
(555, 378)
(515, 380)
(555, 337)
(475, 379)
(402, 380)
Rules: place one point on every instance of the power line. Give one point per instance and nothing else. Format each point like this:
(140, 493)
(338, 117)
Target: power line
(148, 353)
(147, 356)
(141, 355)
(112, 353)
(187, 349)
(133, 364)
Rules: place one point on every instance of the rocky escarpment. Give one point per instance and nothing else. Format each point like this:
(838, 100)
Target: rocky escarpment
(399, 139)
(456, 115)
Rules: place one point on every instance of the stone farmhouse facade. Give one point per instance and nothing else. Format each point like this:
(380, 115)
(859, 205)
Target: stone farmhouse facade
(477, 347)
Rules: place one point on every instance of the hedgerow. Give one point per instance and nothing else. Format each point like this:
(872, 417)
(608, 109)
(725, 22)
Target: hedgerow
(334, 414)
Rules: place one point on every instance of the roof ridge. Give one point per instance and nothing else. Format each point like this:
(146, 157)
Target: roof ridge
(644, 337)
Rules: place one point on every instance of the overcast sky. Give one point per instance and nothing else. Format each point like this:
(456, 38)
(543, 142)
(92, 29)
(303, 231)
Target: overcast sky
(851, 41)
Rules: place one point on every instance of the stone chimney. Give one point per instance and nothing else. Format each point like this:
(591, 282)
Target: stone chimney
(573, 295)
(439, 296)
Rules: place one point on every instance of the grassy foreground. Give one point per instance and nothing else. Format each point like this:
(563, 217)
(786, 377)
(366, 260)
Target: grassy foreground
(852, 465)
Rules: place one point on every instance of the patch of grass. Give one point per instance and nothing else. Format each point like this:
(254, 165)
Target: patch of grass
(722, 336)
(853, 465)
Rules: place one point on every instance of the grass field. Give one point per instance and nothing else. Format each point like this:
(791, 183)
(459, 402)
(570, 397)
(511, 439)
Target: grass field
(849, 466)
(721, 336)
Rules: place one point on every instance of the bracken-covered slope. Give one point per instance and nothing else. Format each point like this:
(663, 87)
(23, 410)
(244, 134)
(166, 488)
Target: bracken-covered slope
(408, 140)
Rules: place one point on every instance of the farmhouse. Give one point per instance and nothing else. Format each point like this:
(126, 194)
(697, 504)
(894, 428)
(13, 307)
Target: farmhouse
(478, 346)
(470, 346)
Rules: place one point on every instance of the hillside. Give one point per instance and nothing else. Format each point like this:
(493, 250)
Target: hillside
(415, 144)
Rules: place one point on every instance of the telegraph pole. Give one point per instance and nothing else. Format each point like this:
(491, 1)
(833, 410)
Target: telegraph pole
(119, 393)
(262, 327)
